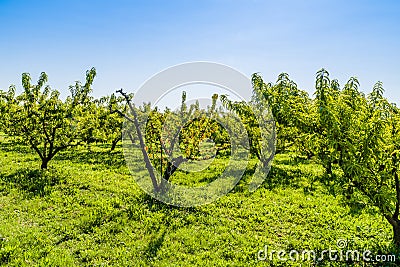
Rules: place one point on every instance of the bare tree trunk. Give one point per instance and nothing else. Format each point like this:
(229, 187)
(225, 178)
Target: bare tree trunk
(396, 234)
(43, 166)
(114, 144)
(135, 122)
(396, 229)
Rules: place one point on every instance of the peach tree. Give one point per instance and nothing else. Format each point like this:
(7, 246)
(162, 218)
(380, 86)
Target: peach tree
(39, 118)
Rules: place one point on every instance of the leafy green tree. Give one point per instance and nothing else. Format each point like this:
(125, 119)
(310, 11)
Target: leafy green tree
(292, 110)
(202, 125)
(3, 108)
(110, 123)
(39, 118)
(358, 144)
(258, 123)
(354, 136)
(168, 138)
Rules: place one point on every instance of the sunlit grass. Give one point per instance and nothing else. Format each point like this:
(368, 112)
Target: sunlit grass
(87, 210)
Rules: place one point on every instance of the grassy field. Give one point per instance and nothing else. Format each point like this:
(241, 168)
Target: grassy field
(87, 210)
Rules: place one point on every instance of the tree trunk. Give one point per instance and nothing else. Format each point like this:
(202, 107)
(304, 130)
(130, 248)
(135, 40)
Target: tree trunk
(396, 229)
(173, 166)
(114, 144)
(44, 164)
(46, 160)
(396, 234)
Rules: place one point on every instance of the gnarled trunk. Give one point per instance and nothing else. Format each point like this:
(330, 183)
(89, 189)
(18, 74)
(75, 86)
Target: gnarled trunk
(43, 166)
(396, 229)
(396, 234)
(114, 144)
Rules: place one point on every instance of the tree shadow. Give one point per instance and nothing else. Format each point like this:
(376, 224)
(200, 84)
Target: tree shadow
(279, 176)
(113, 159)
(174, 218)
(35, 182)
(155, 245)
(291, 160)
(154, 205)
(8, 146)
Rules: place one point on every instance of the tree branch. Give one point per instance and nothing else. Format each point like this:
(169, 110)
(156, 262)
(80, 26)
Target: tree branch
(141, 140)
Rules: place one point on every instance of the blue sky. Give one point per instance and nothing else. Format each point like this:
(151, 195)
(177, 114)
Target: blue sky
(129, 41)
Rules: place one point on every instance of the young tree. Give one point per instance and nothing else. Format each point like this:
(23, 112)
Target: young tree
(110, 124)
(292, 111)
(202, 125)
(3, 108)
(359, 145)
(39, 118)
(355, 137)
(258, 122)
(168, 138)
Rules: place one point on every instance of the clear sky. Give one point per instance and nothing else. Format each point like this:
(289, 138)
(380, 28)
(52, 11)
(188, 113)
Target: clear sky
(128, 41)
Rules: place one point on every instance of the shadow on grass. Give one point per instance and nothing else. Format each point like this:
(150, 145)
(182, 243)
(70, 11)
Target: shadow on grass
(155, 205)
(34, 182)
(292, 159)
(8, 146)
(102, 156)
(175, 218)
(155, 245)
(282, 177)
(278, 176)
(113, 159)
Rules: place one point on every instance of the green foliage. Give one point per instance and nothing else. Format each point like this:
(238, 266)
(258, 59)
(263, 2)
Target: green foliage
(96, 216)
(259, 125)
(110, 123)
(170, 138)
(292, 111)
(39, 118)
(359, 140)
(202, 126)
(3, 110)
(353, 136)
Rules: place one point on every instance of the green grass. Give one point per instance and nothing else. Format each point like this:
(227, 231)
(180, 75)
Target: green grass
(88, 211)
